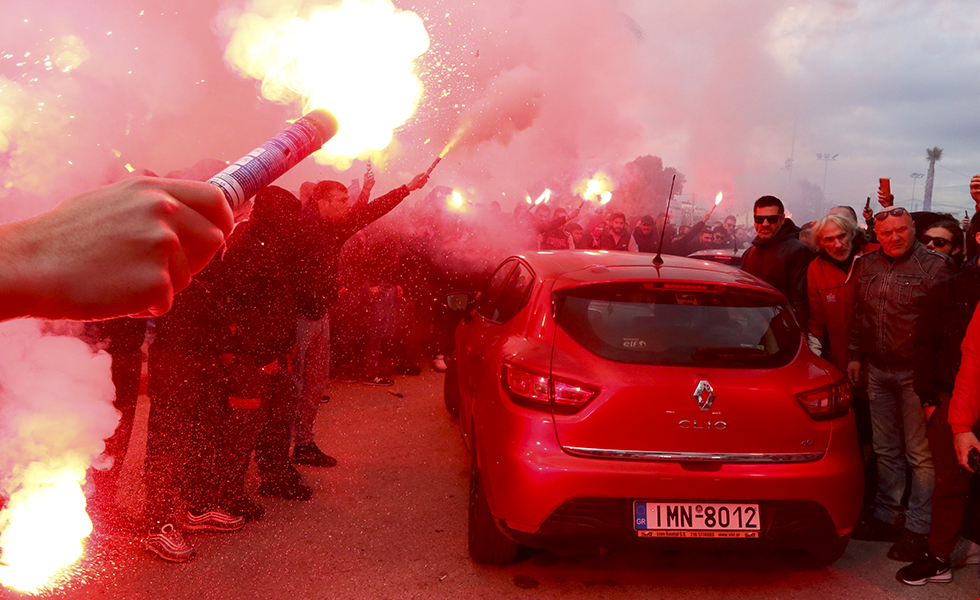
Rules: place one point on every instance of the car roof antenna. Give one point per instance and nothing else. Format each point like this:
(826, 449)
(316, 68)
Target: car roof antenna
(658, 260)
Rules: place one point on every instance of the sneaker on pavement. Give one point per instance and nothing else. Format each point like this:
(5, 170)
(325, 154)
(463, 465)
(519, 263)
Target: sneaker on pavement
(910, 546)
(876, 530)
(926, 569)
(287, 489)
(439, 364)
(167, 543)
(211, 519)
(965, 553)
(310, 454)
(384, 381)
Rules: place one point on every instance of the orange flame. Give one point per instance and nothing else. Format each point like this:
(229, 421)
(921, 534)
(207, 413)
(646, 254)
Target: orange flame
(354, 58)
(599, 188)
(44, 527)
(718, 198)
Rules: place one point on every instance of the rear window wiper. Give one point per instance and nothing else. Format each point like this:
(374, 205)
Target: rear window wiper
(733, 352)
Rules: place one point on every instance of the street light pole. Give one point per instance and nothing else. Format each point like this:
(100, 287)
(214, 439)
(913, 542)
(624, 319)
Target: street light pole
(915, 177)
(826, 158)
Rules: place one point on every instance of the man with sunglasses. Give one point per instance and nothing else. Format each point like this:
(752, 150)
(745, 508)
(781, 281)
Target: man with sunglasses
(900, 287)
(778, 256)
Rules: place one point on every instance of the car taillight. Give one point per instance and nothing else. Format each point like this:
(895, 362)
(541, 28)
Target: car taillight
(828, 402)
(542, 392)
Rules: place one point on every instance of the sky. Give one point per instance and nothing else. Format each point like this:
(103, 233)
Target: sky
(555, 91)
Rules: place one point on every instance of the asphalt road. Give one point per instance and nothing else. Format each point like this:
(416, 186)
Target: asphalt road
(390, 522)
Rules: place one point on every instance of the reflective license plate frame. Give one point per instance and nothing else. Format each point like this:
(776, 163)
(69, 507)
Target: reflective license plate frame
(667, 519)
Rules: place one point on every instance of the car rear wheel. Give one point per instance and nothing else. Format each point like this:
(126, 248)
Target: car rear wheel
(450, 388)
(488, 545)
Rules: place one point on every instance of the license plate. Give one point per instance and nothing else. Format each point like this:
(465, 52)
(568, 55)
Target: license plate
(696, 520)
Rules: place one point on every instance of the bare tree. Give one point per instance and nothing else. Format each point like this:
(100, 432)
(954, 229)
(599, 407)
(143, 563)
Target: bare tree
(933, 155)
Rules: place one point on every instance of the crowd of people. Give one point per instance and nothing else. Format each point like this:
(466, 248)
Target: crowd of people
(891, 305)
(317, 287)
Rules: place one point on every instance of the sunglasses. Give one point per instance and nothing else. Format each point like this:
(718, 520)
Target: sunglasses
(772, 219)
(895, 212)
(938, 242)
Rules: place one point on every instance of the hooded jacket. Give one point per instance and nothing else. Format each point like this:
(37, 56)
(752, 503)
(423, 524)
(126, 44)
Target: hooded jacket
(782, 262)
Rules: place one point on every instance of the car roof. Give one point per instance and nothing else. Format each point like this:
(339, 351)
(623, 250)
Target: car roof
(605, 265)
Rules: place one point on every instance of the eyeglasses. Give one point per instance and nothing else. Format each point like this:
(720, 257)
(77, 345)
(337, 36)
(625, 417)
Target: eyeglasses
(894, 212)
(772, 219)
(938, 242)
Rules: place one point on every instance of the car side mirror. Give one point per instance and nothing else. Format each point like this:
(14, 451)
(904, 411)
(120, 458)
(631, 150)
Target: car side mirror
(459, 302)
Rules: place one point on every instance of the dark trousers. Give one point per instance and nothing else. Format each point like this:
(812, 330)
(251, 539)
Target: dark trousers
(266, 431)
(188, 409)
(949, 497)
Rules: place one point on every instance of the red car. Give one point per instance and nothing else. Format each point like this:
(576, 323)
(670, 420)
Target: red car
(608, 401)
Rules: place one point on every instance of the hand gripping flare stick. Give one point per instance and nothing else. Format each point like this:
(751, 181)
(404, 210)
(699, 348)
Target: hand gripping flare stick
(260, 167)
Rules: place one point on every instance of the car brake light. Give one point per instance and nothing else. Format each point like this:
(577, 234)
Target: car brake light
(828, 402)
(542, 392)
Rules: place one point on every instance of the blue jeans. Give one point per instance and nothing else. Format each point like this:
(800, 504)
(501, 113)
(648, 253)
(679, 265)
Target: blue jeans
(899, 428)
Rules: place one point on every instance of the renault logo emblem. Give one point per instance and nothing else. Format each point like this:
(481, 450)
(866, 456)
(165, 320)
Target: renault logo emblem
(705, 395)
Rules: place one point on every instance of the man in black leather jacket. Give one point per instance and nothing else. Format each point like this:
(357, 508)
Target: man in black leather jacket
(899, 288)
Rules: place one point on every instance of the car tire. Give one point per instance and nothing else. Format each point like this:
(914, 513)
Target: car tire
(450, 388)
(488, 545)
(824, 555)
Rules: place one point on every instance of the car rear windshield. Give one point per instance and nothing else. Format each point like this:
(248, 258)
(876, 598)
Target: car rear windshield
(679, 324)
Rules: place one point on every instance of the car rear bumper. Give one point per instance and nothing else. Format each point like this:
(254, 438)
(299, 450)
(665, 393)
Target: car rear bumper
(608, 523)
(538, 488)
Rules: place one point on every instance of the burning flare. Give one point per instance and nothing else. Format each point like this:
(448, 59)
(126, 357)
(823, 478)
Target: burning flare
(599, 188)
(43, 530)
(354, 58)
(543, 198)
(55, 411)
(718, 198)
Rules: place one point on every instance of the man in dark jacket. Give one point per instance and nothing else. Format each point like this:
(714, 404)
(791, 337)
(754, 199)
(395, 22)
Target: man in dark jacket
(617, 237)
(935, 375)
(263, 295)
(645, 235)
(777, 256)
(329, 222)
(899, 288)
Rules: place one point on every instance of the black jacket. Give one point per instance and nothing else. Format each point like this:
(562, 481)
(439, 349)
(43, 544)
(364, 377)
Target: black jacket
(782, 262)
(895, 301)
(321, 243)
(938, 340)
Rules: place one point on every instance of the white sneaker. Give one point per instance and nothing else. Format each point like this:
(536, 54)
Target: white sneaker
(965, 553)
(439, 364)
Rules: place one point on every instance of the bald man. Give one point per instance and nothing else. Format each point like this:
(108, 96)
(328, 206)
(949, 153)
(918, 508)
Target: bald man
(899, 288)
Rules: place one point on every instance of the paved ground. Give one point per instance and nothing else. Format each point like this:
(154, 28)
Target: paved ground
(390, 522)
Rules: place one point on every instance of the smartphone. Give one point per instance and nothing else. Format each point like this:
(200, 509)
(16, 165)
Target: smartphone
(974, 459)
(885, 185)
(867, 204)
